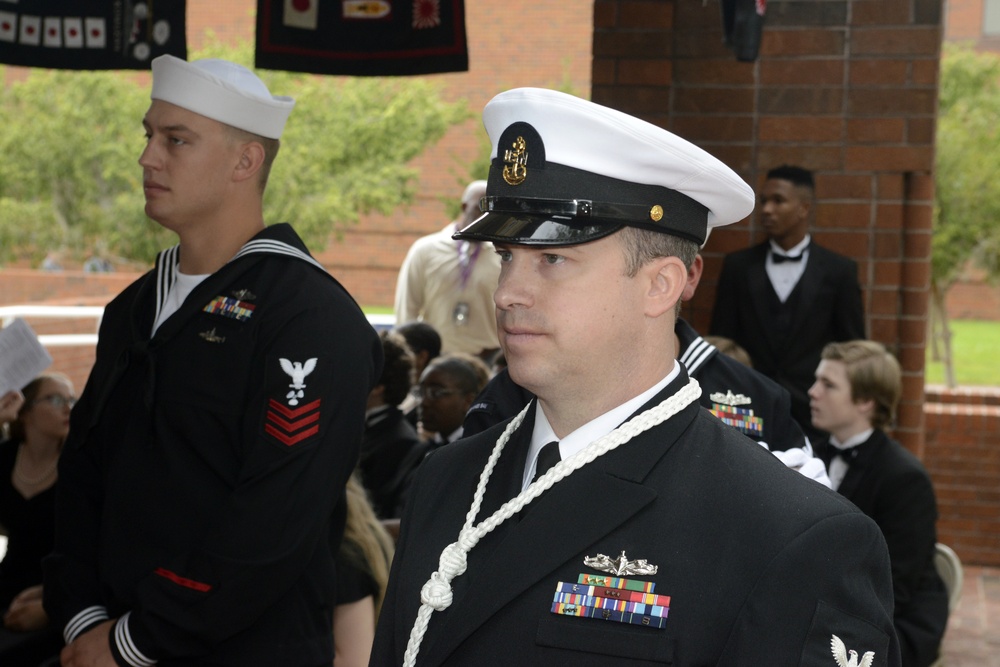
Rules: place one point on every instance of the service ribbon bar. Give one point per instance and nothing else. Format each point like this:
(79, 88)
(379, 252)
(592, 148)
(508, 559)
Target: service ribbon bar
(229, 307)
(569, 609)
(614, 593)
(741, 418)
(615, 605)
(616, 582)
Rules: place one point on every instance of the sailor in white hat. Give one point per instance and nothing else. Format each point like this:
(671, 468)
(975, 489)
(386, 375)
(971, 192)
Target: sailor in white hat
(659, 534)
(201, 491)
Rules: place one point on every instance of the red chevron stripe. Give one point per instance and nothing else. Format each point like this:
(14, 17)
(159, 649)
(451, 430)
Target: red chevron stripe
(290, 440)
(295, 425)
(182, 581)
(292, 414)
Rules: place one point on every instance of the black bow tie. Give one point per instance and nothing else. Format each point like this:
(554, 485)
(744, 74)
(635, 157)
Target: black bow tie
(848, 454)
(778, 259)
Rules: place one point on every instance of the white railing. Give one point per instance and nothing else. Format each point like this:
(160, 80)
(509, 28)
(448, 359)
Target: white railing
(8, 313)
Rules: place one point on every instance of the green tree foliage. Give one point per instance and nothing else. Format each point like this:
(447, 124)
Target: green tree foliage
(70, 179)
(967, 199)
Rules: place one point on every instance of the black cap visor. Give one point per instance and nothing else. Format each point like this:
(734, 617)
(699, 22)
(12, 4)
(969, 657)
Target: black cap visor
(532, 229)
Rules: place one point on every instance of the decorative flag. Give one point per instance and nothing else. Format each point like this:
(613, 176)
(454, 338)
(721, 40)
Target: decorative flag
(742, 24)
(92, 34)
(362, 37)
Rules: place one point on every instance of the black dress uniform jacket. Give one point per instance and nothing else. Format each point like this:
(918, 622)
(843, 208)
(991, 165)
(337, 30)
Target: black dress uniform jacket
(824, 307)
(890, 485)
(762, 565)
(199, 489)
(763, 414)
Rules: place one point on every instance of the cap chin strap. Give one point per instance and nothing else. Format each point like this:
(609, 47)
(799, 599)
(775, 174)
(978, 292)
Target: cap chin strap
(436, 594)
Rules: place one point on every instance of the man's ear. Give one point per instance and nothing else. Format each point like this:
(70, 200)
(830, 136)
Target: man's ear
(867, 408)
(693, 277)
(667, 278)
(250, 162)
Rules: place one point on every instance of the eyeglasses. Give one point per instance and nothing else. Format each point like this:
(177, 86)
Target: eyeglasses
(57, 401)
(434, 393)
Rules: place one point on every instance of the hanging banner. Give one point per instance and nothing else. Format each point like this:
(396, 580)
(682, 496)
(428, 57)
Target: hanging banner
(742, 25)
(362, 37)
(90, 34)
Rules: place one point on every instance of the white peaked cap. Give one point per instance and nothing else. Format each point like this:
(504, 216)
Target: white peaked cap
(222, 91)
(585, 171)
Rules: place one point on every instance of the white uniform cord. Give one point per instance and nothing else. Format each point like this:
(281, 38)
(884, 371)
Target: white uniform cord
(436, 594)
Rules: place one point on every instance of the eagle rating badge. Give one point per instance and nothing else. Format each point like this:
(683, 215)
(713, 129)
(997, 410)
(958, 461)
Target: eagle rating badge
(292, 423)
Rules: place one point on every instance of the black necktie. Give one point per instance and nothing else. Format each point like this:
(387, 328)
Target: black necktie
(548, 456)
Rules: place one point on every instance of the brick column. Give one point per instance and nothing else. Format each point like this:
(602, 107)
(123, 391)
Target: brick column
(847, 89)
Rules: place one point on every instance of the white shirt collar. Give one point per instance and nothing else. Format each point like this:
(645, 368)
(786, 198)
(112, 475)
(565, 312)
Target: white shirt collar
(586, 434)
(853, 441)
(800, 247)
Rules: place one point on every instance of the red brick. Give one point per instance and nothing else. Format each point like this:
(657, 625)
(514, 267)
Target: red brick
(883, 100)
(647, 14)
(712, 100)
(918, 217)
(813, 100)
(715, 128)
(835, 215)
(605, 14)
(799, 42)
(624, 44)
(897, 40)
(653, 72)
(815, 71)
(708, 71)
(875, 12)
(887, 245)
(889, 186)
(889, 158)
(879, 72)
(876, 130)
(843, 186)
(920, 187)
(603, 71)
(883, 302)
(916, 274)
(817, 158)
(811, 129)
(925, 72)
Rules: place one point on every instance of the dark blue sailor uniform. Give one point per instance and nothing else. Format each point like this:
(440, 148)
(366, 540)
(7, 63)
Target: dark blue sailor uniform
(199, 487)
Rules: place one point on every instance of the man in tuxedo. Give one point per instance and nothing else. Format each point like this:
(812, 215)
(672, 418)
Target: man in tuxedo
(784, 299)
(613, 521)
(854, 398)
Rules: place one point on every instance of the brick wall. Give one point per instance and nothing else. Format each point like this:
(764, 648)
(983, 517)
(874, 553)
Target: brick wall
(847, 89)
(963, 458)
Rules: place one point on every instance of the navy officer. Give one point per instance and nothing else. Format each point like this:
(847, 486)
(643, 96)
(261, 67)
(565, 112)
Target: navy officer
(613, 521)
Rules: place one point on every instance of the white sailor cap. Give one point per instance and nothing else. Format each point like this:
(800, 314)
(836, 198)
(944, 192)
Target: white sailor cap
(222, 91)
(566, 171)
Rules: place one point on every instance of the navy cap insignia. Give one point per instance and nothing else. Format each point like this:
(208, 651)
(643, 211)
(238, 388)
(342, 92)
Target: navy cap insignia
(729, 398)
(298, 371)
(516, 168)
(211, 337)
(840, 654)
(620, 566)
